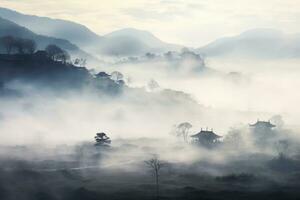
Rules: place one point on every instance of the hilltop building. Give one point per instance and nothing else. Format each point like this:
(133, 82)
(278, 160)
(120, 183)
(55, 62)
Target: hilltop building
(206, 138)
(263, 132)
(262, 125)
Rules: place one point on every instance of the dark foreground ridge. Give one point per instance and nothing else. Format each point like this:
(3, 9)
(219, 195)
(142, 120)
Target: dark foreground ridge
(39, 70)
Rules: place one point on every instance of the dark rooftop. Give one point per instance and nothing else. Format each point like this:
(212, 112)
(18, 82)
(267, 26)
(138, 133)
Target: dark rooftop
(262, 124)
(206, 134)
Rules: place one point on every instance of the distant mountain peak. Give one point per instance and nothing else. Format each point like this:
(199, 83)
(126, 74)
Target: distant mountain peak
(262, 43)
(123, 42)
(130, 31)
(262, 32)
(72, 31)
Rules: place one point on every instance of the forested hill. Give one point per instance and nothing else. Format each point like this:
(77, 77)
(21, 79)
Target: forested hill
(40, 71)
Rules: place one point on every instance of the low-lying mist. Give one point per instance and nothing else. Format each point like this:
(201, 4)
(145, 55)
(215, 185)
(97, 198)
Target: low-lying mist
(261, 86)
(48, 134)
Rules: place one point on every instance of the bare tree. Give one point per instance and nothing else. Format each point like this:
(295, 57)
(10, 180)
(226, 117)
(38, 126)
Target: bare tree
(182, 130)
(155, 164)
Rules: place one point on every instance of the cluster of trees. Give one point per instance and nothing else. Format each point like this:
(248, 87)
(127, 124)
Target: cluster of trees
(18, 45)
(55, 53)
(171, 56)
(13, 45)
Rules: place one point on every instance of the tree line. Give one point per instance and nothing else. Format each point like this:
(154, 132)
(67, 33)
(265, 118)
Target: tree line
(16, 45)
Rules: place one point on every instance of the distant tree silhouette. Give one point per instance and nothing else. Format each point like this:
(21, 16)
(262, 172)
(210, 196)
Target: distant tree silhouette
(182, 130)
(63, 57)
(57, 54)
(117, 76)
(153, 85)
(150, 55)
(80, 62)
(29, 46)
(53, 50)
(102, 139)
(8, 43)
(19, 45)
(155, 164)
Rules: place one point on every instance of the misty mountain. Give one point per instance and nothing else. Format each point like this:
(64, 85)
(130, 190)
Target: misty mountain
(74, 32)
(124, 42)
(10, 28)
(256, 43)
(132, 41)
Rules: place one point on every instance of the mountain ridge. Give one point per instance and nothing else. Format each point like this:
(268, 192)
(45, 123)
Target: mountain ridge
(136, 43)
(261, 43)
(11, 28)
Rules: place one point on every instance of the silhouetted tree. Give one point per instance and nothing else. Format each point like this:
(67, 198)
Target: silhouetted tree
(80, 62)
(53, 50)
(182, 130)
(153, 85)
(8, 43)
(20, 45)
(155, 164)
(102, 139)
(29, 46)
(150, 55)
(169, 55)
(64, 56)
(57, 54)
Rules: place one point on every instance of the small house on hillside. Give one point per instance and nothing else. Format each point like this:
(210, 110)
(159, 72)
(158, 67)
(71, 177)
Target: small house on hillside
(206, 138)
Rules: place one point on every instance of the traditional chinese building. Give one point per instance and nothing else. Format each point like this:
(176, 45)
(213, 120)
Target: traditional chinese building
(262, 132)
(206, 138)
(262, 125)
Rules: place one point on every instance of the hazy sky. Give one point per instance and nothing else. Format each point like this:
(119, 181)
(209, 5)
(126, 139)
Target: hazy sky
(188, 22)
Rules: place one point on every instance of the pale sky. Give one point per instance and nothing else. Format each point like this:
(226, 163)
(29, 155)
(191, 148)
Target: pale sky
(188, 22)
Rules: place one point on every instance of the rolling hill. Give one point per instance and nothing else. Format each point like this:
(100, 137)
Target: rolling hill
(256, 43)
